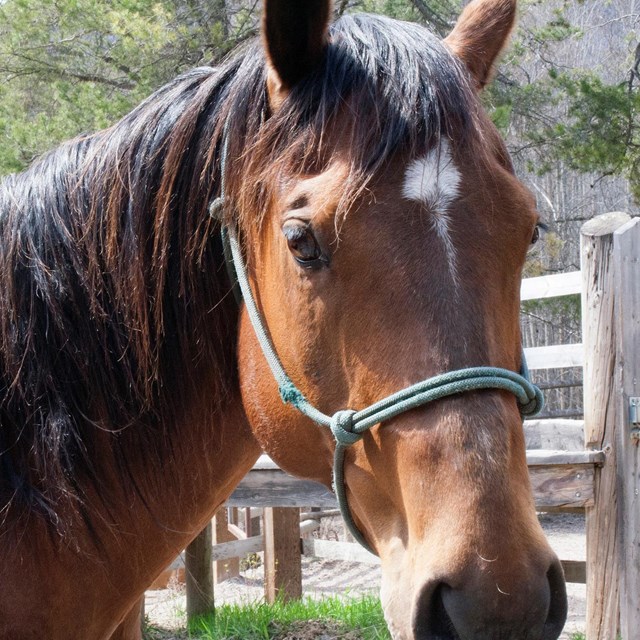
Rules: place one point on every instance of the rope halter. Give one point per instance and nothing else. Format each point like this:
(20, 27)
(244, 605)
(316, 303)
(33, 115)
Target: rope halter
(348, 426)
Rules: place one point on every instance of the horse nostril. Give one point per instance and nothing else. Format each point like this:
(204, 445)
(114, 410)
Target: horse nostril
(443, 627)
(431, 620)
(557, 604)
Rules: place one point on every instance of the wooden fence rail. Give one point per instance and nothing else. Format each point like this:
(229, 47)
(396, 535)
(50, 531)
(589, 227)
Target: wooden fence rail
(592, 465)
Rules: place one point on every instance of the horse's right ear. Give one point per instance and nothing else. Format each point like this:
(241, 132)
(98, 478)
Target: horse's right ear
(295, 36)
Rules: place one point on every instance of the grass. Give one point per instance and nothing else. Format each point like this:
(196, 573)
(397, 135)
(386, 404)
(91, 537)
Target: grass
(581, 636)
(361, 618)
(358, 618)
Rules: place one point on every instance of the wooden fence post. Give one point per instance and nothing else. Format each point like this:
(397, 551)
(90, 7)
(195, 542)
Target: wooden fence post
(223, 569)
(199, 574)
(626, 246)
(282, 568)
(600, 401)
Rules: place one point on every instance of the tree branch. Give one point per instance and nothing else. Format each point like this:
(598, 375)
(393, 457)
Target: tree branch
(634, 72)
(442, 25)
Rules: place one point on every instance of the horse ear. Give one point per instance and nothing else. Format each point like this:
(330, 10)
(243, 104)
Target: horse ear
(481, 33)
(295, 36)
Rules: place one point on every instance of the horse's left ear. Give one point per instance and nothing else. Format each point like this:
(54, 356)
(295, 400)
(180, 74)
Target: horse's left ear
(481, 33)
(295, 36)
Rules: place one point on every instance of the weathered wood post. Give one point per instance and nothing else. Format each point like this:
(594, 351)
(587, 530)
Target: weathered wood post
(611, 342)
(199, 574)
(282, 568)
(223, 569)
(626, 248)
(598, 326)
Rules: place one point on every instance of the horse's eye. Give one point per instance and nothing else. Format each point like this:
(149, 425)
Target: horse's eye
(536, 235)
(541, 226)
(303, 244)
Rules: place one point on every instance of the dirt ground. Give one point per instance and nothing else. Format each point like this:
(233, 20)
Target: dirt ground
(166, 608)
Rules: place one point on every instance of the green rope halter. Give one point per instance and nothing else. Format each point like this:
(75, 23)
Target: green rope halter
(348, 426)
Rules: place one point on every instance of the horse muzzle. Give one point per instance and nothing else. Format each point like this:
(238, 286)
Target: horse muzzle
(533, 607)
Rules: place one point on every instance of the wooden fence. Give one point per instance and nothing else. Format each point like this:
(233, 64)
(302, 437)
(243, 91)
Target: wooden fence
(592, 464)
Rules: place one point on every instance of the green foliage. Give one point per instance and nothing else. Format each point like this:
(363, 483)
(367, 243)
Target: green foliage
(602, 129)
(567, 115)
(263, 622)
(598, 131)
(565, 307)
(557, 29)
(69, 66)
(439, 15)
(400, 9)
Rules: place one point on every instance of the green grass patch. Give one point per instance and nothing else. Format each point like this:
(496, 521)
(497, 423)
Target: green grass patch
(580, 636)
(357, 619)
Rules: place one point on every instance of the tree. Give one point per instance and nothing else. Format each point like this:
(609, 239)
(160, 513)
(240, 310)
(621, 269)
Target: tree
(68, 66)
(569, 93)
(579, 116)
(602, 131)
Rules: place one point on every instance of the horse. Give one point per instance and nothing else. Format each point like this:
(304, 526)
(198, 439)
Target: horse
(384, 234)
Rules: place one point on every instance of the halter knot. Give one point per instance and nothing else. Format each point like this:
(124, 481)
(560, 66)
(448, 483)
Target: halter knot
(216, 208)
(342, 428)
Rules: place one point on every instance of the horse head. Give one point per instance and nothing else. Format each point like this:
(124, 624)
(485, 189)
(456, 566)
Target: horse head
(389, 248)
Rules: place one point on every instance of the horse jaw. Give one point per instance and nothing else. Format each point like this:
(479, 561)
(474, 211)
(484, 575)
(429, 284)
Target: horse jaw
(395, 603)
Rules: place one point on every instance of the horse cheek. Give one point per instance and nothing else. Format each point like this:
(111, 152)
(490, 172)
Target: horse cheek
(296, 444)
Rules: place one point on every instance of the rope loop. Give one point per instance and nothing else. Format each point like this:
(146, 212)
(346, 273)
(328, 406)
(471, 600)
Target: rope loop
(342, 428)
(535, 404)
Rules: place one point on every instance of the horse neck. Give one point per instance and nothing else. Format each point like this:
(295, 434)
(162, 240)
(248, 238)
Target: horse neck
(185, 457)
(134, 533)
(208, 451)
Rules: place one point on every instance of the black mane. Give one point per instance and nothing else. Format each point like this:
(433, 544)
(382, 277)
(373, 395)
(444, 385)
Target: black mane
(113, 290)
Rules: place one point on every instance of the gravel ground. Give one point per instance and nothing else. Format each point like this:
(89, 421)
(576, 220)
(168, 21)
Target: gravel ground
(166, 608)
